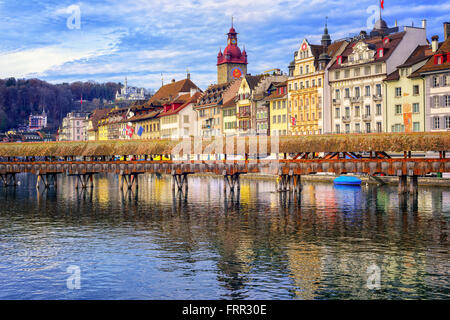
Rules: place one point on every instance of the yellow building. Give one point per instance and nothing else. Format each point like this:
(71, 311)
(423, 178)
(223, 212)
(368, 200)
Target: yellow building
(278, 110)
(93, 122)
(308, 91)
(405, 94)
(150, 124)
(305, 87)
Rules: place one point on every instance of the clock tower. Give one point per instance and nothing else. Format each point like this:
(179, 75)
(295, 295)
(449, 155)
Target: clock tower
(232, 63)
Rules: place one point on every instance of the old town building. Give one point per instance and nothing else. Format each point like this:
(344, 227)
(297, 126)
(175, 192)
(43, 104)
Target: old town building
(94, 118)
(307, 85)
(356, 77)
(74, 127)
(277, 112)
(209, 110)
(179, 119)
(245, 105)
(229, 124)
(405, 94)
(437, 84)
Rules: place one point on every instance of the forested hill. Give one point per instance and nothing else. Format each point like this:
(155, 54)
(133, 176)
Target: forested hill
(21, 97)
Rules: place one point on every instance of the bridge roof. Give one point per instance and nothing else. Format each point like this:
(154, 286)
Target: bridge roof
(389, 142)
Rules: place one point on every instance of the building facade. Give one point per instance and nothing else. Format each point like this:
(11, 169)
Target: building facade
(130, 93)
(436, 73)
(356, 77)
(74, 127)
(405, 94)
(277, 111)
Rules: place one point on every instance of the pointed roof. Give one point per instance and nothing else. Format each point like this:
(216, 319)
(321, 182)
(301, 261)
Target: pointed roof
(430, 66)
(171, 91)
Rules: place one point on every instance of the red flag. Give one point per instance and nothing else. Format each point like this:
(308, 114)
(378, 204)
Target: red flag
(81, 101)
(382, 4)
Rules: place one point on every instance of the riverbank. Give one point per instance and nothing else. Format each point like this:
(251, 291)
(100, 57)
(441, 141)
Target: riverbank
(422, 181)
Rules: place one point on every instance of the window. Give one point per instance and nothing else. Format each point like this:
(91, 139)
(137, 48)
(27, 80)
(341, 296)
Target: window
(436, 123)
(357, 128)
(379, 127)
(416, 126)
(337, 94)
(307, 69)
(416, 108)
(339, 60)
(284, 118)
(378, 87)
(357, 92)
(314, 83)
(347, 111)
(319, 82)
(336, 75)
(290, 86)
(447, 101)
(347, 92)
(338, 128)
(398, 92)
(284, 104)
(307, 84)
(278, 104)
(356, 72)
(378, 68)
(279, 119)
(337, 113)
(435, 102)
(367, 110)
(378, 110)
(295, 86)
(301, 70)
(357, 111)
(435, 82)
(274, 119)
(416, 90)
(186, 119)
(367, 91)
(347, 73)
(368, 127)
(367, 71)
(447, 122)
(347, 128)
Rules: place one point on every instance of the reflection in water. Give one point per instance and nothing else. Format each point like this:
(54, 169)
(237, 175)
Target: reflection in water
(151, 243)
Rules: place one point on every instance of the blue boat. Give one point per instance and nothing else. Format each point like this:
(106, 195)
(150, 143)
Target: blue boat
(347, 180)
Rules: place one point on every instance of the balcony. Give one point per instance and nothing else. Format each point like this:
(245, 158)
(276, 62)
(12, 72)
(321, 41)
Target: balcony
(367, 117)
(377, 97)
(355, 99)
(346, 119)
(243, 115)
(336, 101)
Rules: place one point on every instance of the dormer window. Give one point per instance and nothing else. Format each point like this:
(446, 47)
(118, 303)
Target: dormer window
(386, 40)
(439, 59)
(339, 60)
(380, 52)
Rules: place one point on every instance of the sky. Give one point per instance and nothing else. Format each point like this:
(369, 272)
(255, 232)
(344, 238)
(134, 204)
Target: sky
(108, 40)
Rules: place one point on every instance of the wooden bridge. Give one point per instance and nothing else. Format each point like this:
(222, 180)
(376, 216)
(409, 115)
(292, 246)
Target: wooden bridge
(86, 159)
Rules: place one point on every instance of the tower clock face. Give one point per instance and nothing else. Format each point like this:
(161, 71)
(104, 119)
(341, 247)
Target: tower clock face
(233, 41)
(304, 47)
(236, 73)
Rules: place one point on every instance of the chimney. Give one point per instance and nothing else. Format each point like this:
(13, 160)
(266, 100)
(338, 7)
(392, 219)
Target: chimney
(434, 43)
(424, 24)
(446, 30)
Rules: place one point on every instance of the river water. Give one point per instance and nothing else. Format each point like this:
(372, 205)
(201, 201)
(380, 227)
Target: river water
(332, 243)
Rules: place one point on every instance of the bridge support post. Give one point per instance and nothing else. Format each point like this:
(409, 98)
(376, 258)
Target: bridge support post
(84, 180)
(9, 179)
(130, 180)
(179, 181)
(413, 184)
(47, 179)
(232, 181)
(402, 185)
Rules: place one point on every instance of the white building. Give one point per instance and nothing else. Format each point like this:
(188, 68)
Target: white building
(74, 127)
(356, 77)
(130, 93)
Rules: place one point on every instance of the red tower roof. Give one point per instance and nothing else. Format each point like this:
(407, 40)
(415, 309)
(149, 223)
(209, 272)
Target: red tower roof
(232, 53)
